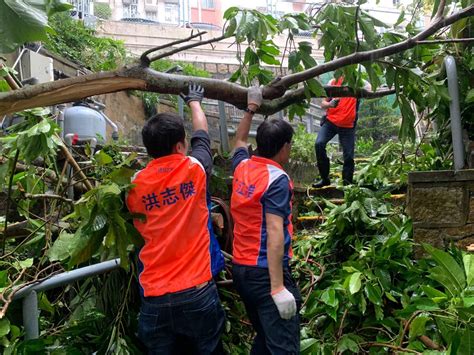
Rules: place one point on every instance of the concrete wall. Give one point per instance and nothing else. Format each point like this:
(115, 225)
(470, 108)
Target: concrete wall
(441, 204)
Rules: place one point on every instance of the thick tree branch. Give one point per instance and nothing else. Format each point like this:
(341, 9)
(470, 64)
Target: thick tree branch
(279, 87)
(141, 78)
(270, 107)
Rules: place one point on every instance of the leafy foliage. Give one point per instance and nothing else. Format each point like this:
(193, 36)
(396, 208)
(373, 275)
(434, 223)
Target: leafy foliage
(302, 147)
(378, 120)
(78, 43)
(389, 166)
(372, 288)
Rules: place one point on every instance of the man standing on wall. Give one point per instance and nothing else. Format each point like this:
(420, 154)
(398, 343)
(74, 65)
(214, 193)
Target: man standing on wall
(340, 119)
(261, 208)
(180, 303)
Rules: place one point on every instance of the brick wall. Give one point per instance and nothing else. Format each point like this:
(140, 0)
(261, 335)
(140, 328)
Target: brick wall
(441, 204)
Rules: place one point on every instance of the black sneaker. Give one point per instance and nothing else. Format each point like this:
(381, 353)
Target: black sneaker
(321, 183)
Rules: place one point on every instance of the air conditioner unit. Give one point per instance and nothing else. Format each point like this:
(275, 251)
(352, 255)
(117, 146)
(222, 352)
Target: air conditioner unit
(126, 2)
(37, 66)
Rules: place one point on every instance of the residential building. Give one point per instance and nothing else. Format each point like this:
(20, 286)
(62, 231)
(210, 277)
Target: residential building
(199, 13)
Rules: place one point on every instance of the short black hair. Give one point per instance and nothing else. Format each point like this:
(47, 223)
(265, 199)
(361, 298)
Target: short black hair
(161, 133)
(272, 136)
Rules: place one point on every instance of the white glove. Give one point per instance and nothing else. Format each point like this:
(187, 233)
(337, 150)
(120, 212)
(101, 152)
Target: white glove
(285, 302)
(254, 96)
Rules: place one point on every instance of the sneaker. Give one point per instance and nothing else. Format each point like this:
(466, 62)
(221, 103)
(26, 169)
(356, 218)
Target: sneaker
(321, 183)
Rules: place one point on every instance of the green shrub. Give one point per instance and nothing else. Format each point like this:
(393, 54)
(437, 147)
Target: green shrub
(75, 42)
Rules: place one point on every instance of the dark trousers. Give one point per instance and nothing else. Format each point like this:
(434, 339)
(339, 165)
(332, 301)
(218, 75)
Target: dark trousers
(186, 322)
(347, 141)
(274, 334)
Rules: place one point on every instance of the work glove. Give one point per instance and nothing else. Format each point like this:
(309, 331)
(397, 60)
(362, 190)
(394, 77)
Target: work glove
(254, 96)
(285, 302)
(195, 93)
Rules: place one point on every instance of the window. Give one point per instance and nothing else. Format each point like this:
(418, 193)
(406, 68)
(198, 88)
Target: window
(171, 13)
(151, 15)
(207, 4)
(131, 10)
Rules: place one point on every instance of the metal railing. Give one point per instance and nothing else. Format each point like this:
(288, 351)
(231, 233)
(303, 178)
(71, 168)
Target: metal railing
(30, 298)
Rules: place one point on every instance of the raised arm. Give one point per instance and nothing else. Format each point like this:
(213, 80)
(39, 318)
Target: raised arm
(254, 100)
(193, 99)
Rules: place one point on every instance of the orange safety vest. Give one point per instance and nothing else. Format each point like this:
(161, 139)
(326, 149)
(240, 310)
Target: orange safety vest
(344, 114)
(171, 193)
(252, 179)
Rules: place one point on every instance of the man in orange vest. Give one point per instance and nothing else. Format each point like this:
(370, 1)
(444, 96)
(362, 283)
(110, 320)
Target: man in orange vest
(340, 119)
(180, 254)
(261, 208)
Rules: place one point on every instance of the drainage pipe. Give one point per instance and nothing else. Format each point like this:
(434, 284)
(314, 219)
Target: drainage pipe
(455, 112)
(223, 127)
(112, 124)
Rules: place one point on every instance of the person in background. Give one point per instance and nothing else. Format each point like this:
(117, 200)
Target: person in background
(180, 255)
(261, 209)
(340, 119)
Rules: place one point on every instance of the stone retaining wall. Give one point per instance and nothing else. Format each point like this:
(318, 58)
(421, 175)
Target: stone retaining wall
(441, 204)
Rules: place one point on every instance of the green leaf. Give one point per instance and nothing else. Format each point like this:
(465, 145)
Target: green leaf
(346, 343)
(267, 58)
(306, 344)
(470, 96)
(434, 294)
(3, 278)
(468, 301)
(270, 49)
(400, 18)
(407, 130)
(374, 294)
(230, 29)
(250, 57)
(60, 249)
(329, 297)
(293, 61)
(4, 326)
(355, 283)
(25, 21)
(4, 86)
(449, 265)
(23, 264)
(230, 12)
(417, 326)
(316, 88)
(468, 261)
(102, 158)
(466, 345)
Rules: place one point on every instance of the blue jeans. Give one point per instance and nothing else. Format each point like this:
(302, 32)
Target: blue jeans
(274, 334)
(347, 142)
(185, 322)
